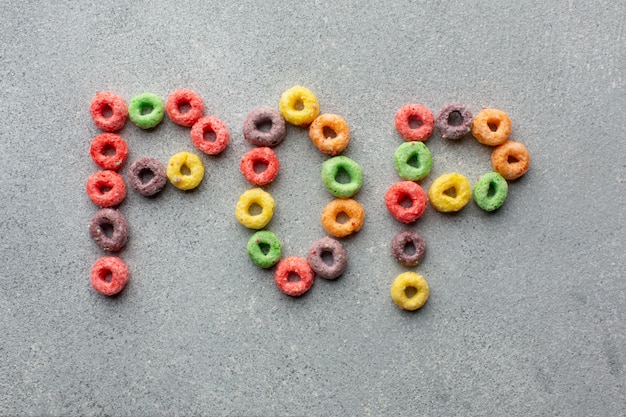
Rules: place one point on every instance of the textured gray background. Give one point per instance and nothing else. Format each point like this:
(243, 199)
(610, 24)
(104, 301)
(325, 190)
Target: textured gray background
(527, 309)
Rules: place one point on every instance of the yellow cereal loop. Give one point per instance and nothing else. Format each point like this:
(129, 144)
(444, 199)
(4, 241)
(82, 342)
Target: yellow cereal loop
(409, 291)
(450, 192)
(185, 170)
(247, 200)
(299, 106)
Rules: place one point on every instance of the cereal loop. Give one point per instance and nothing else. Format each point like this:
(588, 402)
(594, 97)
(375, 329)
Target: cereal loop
(184, 98)
(454, 120)
(147, 176)
(334, 225)
(103, 104)
(413, 161)
(511, 160)
(332, 167)
(406, 201)
(109, 275)
(146, 110)
(299, 106)
(490, 191)
(332, 247)
(491, 127)
(212, 126)
(450, 192)
(256, 158)
(254, 132)
(294, 266)
(185, 170)
(106, 188)
(255, 196)
(108, 151)
(103, 219)
(339, 134)
(414, 114)
(264, 249)
(417, 287)
(400, 243)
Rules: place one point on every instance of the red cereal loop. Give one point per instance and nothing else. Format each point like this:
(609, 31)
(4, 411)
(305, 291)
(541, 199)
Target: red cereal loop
(415, 113)
(406, 191)
(108, 151)
(106, 188)
(210, 124)
(104, 103)
(263, 156)
(184, 97)
(297, 266)
(109, 267)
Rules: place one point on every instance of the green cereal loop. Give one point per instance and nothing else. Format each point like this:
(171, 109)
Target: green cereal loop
(490, 191)
(255, 251)
(332, 167)
(143, 102)
(423, 159)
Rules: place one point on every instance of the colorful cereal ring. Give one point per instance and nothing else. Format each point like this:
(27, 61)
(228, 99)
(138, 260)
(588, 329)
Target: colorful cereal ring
(338, 134)
(491, 127)
(109, 218)
(181, 162)
(299, 106)
(490, 191)
(511, 160)
(334, 225)
(105, 267)
(146, 110)
(264, 249)
(454, 120)
(106, 188)
(183, 98)
(414, 114)
(294, 266)
(334, 166)
(104, 103)
(413, 161)
(147, 176)
(409, 194)
(399, 247)
(450, 192)
(332, 247)
(108, 151)
(414, 283)
(260, 118)
(212, 126)
(255, 196)
(256, 157)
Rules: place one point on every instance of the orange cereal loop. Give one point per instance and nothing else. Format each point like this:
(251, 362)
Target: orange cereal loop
(511, 160)
(338, 134)
(491, 127)
(334, 225)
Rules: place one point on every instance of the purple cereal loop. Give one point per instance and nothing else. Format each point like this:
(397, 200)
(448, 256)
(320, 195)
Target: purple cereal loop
(316, 262)
(259, 116)
(156, 183)
(398, 245)
(456, 131)
(117, 221)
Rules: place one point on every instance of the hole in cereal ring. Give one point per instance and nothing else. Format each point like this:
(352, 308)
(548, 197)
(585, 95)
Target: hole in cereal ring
(450, 192)
(209, 135)
(493, 125)
(293, 277)
(413, 161)
(108, 150)
(410, 291)
(327, 257)
(184, 170)
(265, 248)
(492, 189)
(183, 107)
(414, 122)
(146, 108)
(107, 111)
(342, 218)
(107, 229)
(299, 105)
(511, 159)
(329, 133)
(255, 209)
(264, 126)
(455, 118)
(342, 176)
(146, 175)
(406, 201)
(105, 189)
(106, 275)
(409, 248)
(259, 166)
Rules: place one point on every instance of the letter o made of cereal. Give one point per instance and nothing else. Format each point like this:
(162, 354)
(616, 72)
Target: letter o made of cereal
(246, 205)
(414, 122)
(109, 111)
(406, 201)
(185, 170)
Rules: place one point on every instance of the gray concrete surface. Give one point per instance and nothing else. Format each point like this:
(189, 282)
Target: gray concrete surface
(527, 309)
